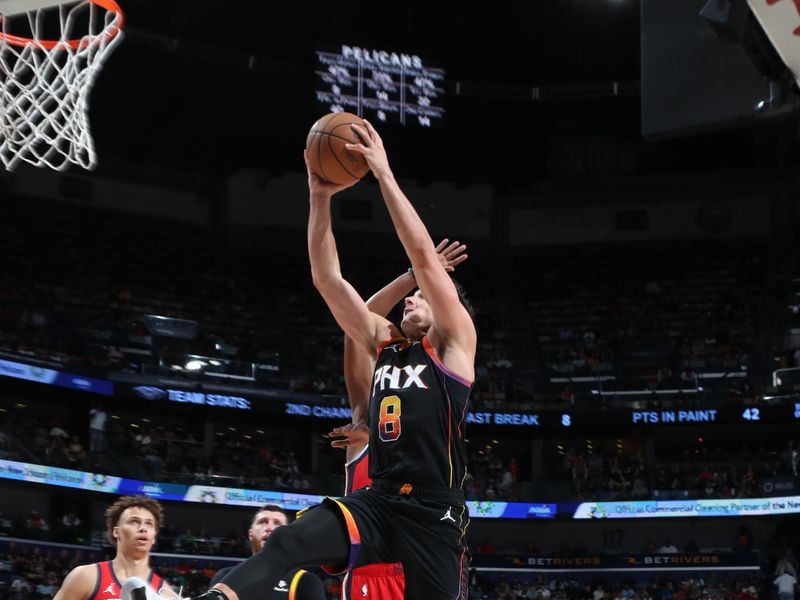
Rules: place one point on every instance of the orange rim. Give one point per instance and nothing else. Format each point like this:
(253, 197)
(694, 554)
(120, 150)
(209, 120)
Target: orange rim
(110, 32)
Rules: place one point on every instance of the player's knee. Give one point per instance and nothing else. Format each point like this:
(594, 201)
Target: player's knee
(282, 542)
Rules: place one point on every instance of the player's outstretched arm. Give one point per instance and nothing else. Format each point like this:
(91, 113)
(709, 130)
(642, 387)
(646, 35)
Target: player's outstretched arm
(452, 332)
(349, 309)
(359, 363)
(78, 584)
(450, 254)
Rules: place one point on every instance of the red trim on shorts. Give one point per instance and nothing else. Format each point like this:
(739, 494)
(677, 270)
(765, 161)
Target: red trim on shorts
(379, 570)
(462, 593)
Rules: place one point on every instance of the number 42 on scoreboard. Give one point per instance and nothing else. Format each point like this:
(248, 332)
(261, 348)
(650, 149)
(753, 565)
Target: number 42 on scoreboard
(751, 414)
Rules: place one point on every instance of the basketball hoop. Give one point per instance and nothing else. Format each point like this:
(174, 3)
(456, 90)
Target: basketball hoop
(48, 64)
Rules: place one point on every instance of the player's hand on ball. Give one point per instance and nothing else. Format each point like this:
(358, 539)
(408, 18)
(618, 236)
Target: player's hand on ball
(317, 186)
(451, 255)
(349, 435)
(371, 147)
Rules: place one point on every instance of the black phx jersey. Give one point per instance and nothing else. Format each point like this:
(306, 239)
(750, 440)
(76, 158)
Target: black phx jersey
(418, 413)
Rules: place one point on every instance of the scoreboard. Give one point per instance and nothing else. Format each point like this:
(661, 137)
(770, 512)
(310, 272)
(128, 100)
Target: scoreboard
(381, 86)
(709, 416)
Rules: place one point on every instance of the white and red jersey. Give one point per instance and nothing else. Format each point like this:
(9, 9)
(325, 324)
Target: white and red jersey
(108, 586)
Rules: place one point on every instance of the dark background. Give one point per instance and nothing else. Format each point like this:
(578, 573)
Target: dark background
(199, 86)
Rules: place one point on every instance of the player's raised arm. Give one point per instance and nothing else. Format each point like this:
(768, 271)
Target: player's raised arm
(452, 331)
(449, 254)
(349, 309)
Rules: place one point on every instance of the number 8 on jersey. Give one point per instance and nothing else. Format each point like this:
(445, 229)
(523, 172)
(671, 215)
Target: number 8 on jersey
(389, 421)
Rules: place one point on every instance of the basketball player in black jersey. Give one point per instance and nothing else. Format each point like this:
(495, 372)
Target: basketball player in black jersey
(359, 364)
(414, 512)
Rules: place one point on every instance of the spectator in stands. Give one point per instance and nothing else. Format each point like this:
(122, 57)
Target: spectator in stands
(787, 564)
(617, 481)
(74, 452)
(57, 432)
(36, 526)
(70, 525)
(668, 548)
(47, 588)
(744, 541)
(20, 588)
(5, 525)
(639, 489)
(506, 483)
(599, 593)
(97, 429)
(786, 586)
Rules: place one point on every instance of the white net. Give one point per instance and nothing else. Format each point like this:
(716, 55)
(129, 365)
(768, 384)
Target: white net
(45, 85)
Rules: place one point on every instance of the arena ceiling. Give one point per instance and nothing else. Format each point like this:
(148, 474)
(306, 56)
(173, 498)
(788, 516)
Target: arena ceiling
(207, 85)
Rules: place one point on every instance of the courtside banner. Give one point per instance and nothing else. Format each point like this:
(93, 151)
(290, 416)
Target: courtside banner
(32, 473)
(688, 508)
(242, 497)
(16, 370)
(108, 484)
(734, 561)
(489, 509)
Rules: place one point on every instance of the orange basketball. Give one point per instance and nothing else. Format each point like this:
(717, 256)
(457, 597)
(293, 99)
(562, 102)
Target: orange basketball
(326, 152)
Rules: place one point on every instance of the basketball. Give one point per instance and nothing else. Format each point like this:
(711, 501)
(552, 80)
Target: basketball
(327, 155)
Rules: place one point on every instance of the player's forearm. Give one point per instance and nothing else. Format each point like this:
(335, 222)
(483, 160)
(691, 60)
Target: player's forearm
(359, 412)
(321, 244)
(410, 229)
(358, 367)
(386, 298)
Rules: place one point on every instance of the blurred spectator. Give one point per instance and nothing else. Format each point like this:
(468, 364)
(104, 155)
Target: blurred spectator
(19, 588)
(786, 586)
(5, 525)
(668, 548)
(74, 452)
(48, 587)
(57, 432)
(70, 527)
(36, 526)
(97, 429)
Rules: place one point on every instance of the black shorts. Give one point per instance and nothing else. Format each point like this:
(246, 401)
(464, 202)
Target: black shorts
(424, 529)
